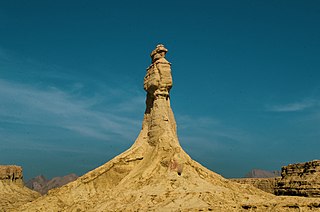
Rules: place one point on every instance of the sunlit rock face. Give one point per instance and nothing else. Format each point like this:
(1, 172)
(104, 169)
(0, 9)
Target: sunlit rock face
(265, 184)
(158, 80)
(11, 174)
(301, 179)
(13, 193)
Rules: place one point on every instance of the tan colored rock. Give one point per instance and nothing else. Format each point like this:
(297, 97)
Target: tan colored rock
(301, 179)
(158, 80)
(265, 184)
(11, 174)
(12, 191)
(155, 174)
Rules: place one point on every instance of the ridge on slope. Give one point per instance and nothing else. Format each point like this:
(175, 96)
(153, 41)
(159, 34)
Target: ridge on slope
(155, 173)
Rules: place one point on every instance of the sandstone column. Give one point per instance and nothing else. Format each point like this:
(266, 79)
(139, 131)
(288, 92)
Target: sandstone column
(159, 134)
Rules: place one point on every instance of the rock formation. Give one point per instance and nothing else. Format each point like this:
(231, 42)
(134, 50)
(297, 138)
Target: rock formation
(11, 174)
(155, 174)
(12, 191)
(43, 185)
(262, 179)
(265, 184)
(301, 179)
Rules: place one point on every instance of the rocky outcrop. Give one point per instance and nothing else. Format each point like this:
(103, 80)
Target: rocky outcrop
(12, 191)
(11, 174)
(301, 179)
(265, 184)
(262, 179)
(156, 174)
(43, 185)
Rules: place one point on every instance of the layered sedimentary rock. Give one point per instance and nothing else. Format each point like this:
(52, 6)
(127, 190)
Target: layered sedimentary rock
(155, 174)
(265, 184)
(262, 179)
(301, 179)
(12, 191)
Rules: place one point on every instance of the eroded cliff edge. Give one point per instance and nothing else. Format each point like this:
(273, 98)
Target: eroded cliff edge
(13, 193)
(300, 179)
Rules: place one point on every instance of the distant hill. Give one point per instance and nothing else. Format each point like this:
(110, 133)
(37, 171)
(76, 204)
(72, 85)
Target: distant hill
(259, 173)
(43, 185)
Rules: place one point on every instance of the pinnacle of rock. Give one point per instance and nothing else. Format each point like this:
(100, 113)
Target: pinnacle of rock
(158, 80)
(155, 174)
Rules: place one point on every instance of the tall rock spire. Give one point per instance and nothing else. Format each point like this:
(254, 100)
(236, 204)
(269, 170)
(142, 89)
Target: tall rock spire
(155, 174)
(157, 83)
(157, 142)
(159, 123)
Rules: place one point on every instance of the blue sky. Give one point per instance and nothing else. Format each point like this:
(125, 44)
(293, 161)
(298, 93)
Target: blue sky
(246, 81)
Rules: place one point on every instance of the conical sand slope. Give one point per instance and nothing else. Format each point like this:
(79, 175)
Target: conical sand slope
(156, 174)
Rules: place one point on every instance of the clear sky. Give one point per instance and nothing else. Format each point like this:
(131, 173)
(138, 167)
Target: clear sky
(246, 76)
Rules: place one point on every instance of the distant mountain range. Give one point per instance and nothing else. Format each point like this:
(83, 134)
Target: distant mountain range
(259, 173)
(43, 185)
